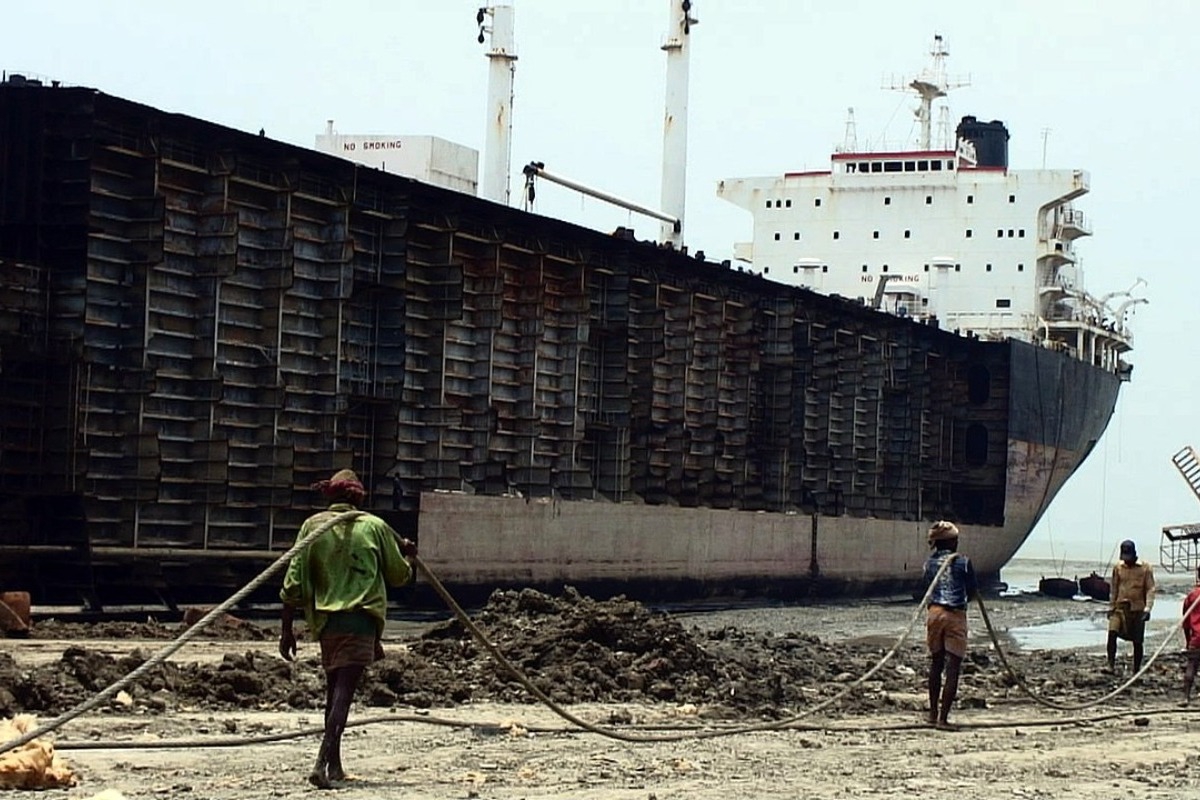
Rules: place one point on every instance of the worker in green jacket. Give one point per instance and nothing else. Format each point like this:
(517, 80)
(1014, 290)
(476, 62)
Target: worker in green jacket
(340, 582)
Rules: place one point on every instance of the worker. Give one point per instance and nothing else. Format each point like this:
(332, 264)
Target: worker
(340, 582)
(1191, 637)
(946, 619)
(1130, 601)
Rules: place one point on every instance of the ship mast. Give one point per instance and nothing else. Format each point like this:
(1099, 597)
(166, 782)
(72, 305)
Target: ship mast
(502, 65)
(674, 170)
(929, 85)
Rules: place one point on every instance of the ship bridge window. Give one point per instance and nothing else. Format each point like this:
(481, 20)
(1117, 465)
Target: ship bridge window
(910, 166)
(864, 166)
(892, 166)
(1003, 302)
(876, 166)
(936, 166)
(923, 165)
(976, 445)
(850, 168)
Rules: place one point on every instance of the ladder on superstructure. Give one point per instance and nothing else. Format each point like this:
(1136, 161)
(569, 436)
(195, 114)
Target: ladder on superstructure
(1179, 550)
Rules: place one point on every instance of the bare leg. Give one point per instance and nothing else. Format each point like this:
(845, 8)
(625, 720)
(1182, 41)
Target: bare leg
(1112, 650)
(1138, 652)
(345, 681)
(936, 662)
(950, 692)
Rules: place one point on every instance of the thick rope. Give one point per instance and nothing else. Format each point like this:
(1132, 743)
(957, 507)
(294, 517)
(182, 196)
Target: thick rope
(503, 728)
(470, 625)
(781, 724)
(187, 636)
(1024, 687)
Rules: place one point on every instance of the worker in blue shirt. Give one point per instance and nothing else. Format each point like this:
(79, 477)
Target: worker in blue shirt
(946, 619)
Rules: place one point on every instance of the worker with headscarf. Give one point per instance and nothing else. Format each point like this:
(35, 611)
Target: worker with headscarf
(340, 582)
(946, 618)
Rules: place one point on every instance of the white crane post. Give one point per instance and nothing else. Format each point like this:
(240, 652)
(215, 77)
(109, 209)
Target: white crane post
(674, 173)
(502, 65)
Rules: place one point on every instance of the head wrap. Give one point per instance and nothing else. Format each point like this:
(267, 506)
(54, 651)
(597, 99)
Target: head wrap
(344, 486)
(1128, 548)
(942, 530)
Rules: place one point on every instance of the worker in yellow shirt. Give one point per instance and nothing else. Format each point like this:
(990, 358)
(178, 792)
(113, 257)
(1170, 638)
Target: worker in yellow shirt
(1130, 600)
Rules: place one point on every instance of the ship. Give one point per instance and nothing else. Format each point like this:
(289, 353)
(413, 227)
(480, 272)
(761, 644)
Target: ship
(197, 322)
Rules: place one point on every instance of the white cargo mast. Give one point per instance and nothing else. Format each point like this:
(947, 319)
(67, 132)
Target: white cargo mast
(674, 168)
(502, 59)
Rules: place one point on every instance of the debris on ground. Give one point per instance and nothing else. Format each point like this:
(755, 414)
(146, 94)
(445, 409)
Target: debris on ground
(575, 649)
(33, 765)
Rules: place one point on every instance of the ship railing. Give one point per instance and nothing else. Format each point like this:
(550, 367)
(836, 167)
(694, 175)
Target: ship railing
(1071, 224)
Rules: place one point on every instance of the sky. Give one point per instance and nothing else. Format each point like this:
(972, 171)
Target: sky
(1109, 88)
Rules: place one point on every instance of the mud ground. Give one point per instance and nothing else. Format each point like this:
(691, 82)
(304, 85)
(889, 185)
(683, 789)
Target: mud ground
(618, 664)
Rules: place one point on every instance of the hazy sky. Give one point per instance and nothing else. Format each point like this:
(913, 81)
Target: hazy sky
(1106, 87)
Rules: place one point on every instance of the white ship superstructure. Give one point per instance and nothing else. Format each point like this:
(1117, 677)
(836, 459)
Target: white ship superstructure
(952, 237)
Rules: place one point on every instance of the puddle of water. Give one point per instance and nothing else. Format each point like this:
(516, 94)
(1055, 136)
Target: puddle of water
(1068, 633)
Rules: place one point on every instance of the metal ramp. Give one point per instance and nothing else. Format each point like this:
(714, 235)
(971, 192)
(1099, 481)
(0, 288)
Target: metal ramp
(1188, 464)
(1179, 550)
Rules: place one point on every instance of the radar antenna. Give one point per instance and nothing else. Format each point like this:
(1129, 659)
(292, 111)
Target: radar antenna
(929, 85)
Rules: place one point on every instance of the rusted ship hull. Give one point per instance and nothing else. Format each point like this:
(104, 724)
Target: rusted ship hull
(197, 323)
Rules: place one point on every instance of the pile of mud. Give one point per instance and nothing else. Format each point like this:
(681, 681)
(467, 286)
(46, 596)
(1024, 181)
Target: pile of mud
(225, 628)
(574, 649)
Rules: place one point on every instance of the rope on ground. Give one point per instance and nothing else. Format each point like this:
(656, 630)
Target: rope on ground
(1024, 687)
(781, 724)
(469, 624)
(498, 728)
(188, 635)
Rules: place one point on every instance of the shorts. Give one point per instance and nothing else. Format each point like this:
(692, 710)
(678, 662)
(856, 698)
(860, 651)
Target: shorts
(946, 629)
(346, 650)
(1127, 624)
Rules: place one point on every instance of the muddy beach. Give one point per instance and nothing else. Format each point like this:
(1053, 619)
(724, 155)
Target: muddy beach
(468, 729)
